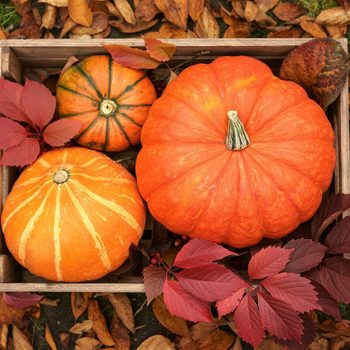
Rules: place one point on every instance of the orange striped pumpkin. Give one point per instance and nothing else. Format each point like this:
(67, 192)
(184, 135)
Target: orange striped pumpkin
(72, 215)
(111, 100)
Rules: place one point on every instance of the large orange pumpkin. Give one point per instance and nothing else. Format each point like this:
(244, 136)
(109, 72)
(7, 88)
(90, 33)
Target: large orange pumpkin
(112, 102)
(233, 154)
(72, 215)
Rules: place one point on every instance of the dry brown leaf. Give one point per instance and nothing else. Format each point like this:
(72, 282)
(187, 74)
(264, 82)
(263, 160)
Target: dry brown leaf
(99, 323)
(175, 11)
(4, 336)
(68, 26)
(269, 344)
(179, 33)
(195, 8)
(128, 28)
(80, 12)
(64, 339)
(301, 18)
(264, 20)
(49, 338)
(207, 26)
(238, 8)
(20, 341)
(238, 29)
(123, 309)
(126, 11)
(202, 329)
(112, 9)
(103, 34)
(287, 11)
(213, 7)
(79, 303)
(37, 16)
(119, 334)
(266, 5)
(49, 17)
(172, 76)
(99, 24)
(86, 343)
(228, 18)
(237, 345)
(334, 16)
(82, 327)
(338, 344)
(337, 32)
(172, 323)
(319, 344)
(56, 3)
(250, 11)
(2, 35)
(10, 315)
(146, 10)
(313, 28)
(290, 33)
(49, 302)
(157, 342)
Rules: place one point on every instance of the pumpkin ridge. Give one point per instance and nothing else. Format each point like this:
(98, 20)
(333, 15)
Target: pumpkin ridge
(90, 126)
(99, 245)
(56, 235)
(106, 135)
(89, 80)
(77, 114)
(30, 227)
(128, 118)
(63, 87)
(120, 126)
(126, 106)
(129, 88)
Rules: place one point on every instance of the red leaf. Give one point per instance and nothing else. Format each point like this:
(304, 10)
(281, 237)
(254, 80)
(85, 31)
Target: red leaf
(327, 303)
(132, 57)
(20, 155)
(10, 100)
(159, 50)
(61, 131)
(335, 277)
(330, 209)
(248, 322)
(294, 290)
(229, 304)
(153, 277)
(38, 103)
(199, 252)
(268, 262)
(279, 319)
(338, 239)
(210, 282)
(306, 255)
(21, 300)
(183, 304)
(11, 133)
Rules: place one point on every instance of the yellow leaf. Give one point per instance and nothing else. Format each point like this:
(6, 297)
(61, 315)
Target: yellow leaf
(250, 11)
(49, 338)
(207, 26)
(157, 342)
(125, 10)
(334, 16)
(80, 12)
(313, 28)
(195, 8)
(123, 309)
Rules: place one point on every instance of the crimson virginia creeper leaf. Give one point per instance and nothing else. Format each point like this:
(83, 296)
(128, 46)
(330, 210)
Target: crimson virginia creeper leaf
(335, 277)
(183, 304)
(153, 278)
(268, 262)
(330, 209)
(210, 282)
(61, 131)
(132, 57)
(159, 50)
(11, 133)
(279, 319)
(38, 103)
(327, 303)
(198, 252)
(229, 304)
(248, 322)
(10, 100)
(21, 300)
(307, 338)
(292, 289)
(20, 155)
(338, 239)
(306, 254)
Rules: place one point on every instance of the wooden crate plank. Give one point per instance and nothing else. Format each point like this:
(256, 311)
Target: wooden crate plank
(11, 67)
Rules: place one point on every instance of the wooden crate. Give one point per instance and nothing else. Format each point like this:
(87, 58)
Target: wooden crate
(15, 55)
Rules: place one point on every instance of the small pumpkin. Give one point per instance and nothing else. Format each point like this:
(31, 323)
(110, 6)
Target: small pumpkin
(112, 102)
(232, 154)
(72, 215)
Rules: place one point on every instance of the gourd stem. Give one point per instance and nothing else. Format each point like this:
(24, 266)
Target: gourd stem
(60, 176)
(236, 138)
(108, 107)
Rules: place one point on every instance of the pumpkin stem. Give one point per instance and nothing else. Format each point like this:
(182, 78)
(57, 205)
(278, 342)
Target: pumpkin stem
(236, 138)
(107, 107)
(60, 176)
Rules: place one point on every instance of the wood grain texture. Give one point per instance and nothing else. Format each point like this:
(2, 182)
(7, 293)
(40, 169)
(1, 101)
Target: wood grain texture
(11, 66)
(54, 53)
